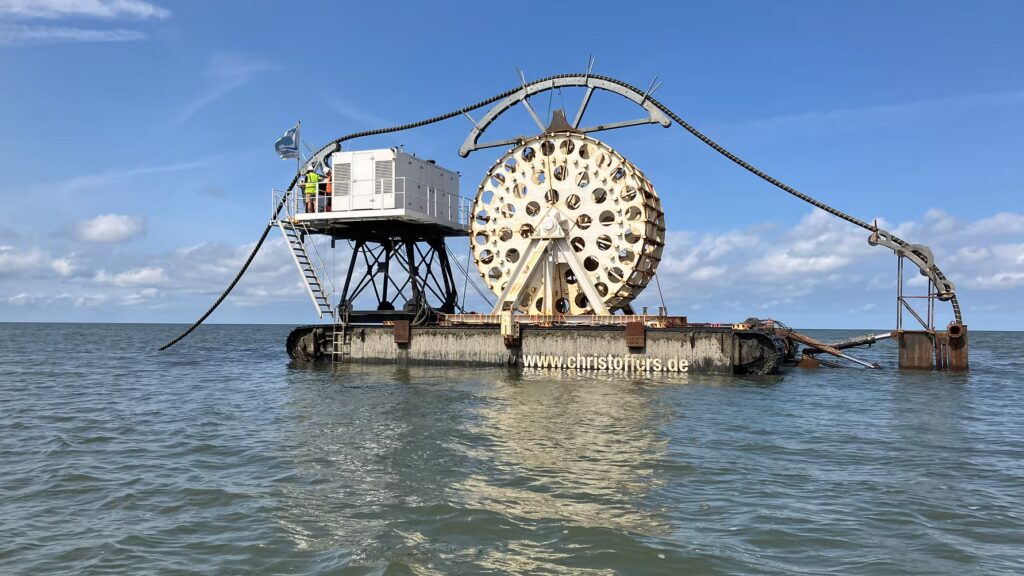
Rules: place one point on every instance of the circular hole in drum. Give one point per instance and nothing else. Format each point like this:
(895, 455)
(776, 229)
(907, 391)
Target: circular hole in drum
(615, 274)
(547, 148)
(562, 305)
(572, 202)
(583, 180)
(618, 174)
(567, 146)
(628, 194)
(486, 196)
(532, 208)
(498, 180)
(583, 221)
(505, 234)
(480, 238)
(630, 236)
(626, 256)
(590, 263)
(510, 165)
(585, 151)
(604, 242)
(633, 213)
(539, 305)
(570, 278)
(551, 196)
(578, 244)
(581, 301)
(559, 173)
(486, 256)
(526, 230)
(518, 190)
(539, 177)
(512, 255)
(528, 153)
(602, 289)
(607, 218)
(494, 273)
(508, 210)
(600, 194)
(482, 217)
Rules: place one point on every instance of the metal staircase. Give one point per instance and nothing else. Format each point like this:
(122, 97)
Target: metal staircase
(311, 266)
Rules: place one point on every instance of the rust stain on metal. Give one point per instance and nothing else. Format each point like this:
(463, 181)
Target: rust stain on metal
(402, 332)
(915, 349)
(951, 348)
(636, 335)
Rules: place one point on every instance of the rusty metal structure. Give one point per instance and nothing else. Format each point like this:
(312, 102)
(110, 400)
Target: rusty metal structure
(564, 231)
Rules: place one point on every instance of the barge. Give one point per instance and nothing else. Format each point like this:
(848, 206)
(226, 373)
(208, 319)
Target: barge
(564, 233)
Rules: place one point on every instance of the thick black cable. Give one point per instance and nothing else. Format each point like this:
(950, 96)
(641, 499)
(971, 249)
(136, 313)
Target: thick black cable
(336, 144)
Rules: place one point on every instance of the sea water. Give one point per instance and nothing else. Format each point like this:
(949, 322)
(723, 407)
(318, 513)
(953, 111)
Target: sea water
(220, 456)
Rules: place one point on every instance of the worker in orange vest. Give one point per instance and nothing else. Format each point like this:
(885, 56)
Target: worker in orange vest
(328, 189)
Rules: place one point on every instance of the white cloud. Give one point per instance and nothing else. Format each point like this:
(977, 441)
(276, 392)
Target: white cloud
(64, 266)
(22, 299)
(784, 263)
(861, 115)
(144, 296)
(226, 73)
(1001, 223)
(104, 9)
(355, 113)
(90, 301)
(14, 35)
(111, 228)
(14, 261)
(1000, 280)
(147, 276)
(23, 263)
(105, 179)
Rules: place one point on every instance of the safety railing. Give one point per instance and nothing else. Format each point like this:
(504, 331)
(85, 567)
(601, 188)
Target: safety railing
(385, 194)
(283, 205)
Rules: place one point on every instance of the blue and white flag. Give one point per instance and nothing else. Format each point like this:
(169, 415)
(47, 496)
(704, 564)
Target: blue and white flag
(287, 146)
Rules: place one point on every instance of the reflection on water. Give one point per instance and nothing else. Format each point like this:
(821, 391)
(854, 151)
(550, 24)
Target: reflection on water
(580, 449)
(375, 443)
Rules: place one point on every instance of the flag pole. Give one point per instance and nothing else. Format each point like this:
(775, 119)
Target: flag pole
(298, 147)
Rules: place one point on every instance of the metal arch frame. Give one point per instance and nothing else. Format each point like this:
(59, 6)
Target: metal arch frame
(591, 83)
(920, 255)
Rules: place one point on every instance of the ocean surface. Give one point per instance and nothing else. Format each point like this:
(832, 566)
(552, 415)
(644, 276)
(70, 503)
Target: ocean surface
(221, 457)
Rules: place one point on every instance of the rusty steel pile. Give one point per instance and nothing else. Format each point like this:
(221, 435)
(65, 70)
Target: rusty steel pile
(565, 232)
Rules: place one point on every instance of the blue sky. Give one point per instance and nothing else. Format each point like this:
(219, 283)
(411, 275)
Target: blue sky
(139, 155)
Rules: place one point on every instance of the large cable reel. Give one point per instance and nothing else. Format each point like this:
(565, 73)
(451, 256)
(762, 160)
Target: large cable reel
(563, 224)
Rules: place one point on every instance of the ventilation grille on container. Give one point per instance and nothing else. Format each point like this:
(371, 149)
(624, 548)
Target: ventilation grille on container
(342, 178)
(384, 173)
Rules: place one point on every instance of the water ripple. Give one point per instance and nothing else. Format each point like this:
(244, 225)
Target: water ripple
(221, 457)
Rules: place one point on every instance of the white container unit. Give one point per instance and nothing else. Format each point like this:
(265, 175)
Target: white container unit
(391, 184)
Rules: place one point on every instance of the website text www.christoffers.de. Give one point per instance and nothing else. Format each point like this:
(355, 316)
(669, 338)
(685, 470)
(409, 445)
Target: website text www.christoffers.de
(605, 363)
